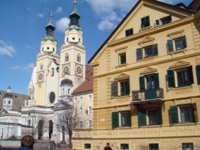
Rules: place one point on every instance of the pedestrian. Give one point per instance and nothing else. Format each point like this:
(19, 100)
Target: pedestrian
(27, 143)
(107, 147)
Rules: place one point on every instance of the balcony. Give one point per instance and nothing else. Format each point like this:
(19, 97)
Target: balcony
(149, 95)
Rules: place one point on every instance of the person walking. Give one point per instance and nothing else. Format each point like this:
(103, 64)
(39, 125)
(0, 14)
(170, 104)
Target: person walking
(107, 147)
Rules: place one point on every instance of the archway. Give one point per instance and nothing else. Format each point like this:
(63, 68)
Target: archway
(40, 129)
(50, 128)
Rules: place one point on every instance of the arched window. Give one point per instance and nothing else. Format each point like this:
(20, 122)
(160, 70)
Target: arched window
(41, 66)
(52, 72)
(66, 57)
(8, 102)
(79, 58)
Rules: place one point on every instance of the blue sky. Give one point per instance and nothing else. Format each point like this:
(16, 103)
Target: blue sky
(22, 26)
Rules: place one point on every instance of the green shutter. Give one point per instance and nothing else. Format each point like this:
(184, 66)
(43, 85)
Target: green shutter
(139, 54)
(115, 119)
(155, 49)
(159, 116)
(142, 117)
(142, 85)
(170, 78)
(170, 46)
(194, 108)
(173, 114)
(156, 80)
(190, 75)
(128, 87)
(114, 88)
(184, 41)
(129, 119)
(198, 74)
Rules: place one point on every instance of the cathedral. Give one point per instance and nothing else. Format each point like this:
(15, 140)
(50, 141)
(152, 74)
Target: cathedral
(57, 82)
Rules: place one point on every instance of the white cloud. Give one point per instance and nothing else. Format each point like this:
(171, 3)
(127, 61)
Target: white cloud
(22, 68)
(6, 49)
(59, 10)
(40, 15)
(62, 24)
(112, 11)
(106, 25)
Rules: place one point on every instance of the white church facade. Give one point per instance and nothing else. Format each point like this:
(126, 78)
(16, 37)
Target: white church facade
(57, 81)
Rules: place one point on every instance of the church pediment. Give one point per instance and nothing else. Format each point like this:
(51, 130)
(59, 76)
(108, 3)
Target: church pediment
(179, 64)
(122, 76)
(148, 70)
(60, 105)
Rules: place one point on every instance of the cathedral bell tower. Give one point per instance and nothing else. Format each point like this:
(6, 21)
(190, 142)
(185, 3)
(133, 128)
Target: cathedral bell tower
(72, 55)
(47, 69)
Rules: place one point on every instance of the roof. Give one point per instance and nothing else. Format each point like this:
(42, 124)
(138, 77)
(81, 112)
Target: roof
(130, 12)
(87, 85)
(18, 100)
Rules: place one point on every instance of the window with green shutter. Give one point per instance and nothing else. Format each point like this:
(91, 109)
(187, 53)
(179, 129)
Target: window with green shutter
(184, 77)
(139, 54)
(170, 78)
(198, 74)
(173, 114)
(114, 88)
(142, 84)
(142, 117)
(115, 119)
(177, 44)
(149, 51)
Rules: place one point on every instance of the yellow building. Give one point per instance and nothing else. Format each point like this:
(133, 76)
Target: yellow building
(146, 81)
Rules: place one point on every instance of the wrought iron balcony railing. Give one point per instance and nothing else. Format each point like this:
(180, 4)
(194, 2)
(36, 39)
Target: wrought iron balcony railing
(149, 94)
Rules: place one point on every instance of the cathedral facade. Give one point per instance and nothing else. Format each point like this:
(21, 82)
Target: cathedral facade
(54, 81)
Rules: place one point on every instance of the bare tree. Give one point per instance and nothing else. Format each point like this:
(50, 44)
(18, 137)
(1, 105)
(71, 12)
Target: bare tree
(73, 118)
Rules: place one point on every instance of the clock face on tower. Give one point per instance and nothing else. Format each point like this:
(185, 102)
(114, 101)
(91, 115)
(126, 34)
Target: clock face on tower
(66, 70)
(40, 77)
(79, 70)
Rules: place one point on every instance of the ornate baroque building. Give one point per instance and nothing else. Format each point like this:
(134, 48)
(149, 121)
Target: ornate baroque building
(55, 79)
(146, 81)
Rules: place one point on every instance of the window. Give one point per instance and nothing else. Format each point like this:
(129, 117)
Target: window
(52, 72)
(81, 98)
(90, 109)
(145, 22)
(81, 124)
(66, 57)
(129, 32)
(52, 97)
(122, 58)
(198, 74)
(147, 52)
(180, 77)
(187, 146)
(124, 146)
(183, 114)
(121, 119)
(176, 44)
(81, 110)
(149, 84)
(90, 123)
(150, 117)
(89, 97)
(166, 20)
(153, 146)
(79, 58)
(41, 66)
(87, 146)
(123, 87)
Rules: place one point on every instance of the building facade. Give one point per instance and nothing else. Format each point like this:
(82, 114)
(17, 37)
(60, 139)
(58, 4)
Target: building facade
(55, 80)
(146, 81)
